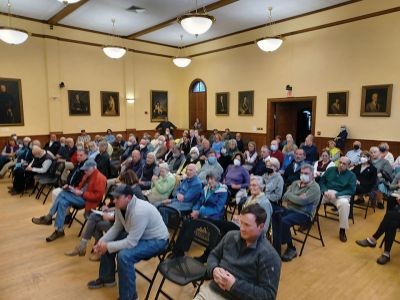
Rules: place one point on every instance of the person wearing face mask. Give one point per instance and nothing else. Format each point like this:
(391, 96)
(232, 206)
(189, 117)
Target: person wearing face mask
(236, 176)
(340, 140)
(176, 160)
(322, 165)
(250, 156)
(384, 170)
(366, 175)
(385, 154)
(192, 159)
(302, 198)
(131, 145)
(354, 155)
(210, 166)
(143, 148)
(275, 152)
(273, 181)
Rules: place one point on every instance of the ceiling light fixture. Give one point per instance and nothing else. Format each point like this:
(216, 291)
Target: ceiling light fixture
(272, 42)
(66, 2)
(11, 35)
(112, 51)
(181, 61)
(196, 23)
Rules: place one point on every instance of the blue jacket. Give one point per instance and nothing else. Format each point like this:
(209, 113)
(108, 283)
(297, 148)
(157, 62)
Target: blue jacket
(212, 202)
(190, 189)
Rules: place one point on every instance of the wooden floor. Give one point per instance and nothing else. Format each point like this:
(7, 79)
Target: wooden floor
(32, 269)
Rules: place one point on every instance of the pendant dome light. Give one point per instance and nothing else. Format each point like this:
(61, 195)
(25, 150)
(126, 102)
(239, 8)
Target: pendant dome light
(112, 51)
(196, 23)
(270, 43)
(66, 2)
(181, 61)
(12, 35)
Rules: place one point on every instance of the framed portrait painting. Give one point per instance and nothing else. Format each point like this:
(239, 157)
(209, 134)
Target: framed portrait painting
(222, 104)
(338, 103)
(376, 100)
(109, 104)
(158, 105)
(11, 108)
(79, 103)
(246, 103)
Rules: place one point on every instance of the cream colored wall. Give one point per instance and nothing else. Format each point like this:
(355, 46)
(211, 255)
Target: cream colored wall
(344, 57)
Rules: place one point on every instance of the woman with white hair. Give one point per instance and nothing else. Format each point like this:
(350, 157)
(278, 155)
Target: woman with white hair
(273, 181)
(93, 150)
(162, 186)
(193, 158)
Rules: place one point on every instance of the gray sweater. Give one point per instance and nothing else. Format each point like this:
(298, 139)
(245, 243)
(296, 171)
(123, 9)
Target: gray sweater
(383, 165)
(142, 222)
(273, 187)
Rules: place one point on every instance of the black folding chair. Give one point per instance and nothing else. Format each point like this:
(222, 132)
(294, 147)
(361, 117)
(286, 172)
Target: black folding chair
(370, 203)
(184, 270)
(307, 229)
(172, 219)
(329, 215)
(50, 182)
(75, 210)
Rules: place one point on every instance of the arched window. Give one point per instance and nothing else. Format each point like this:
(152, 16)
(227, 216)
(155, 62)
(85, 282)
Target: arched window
(199, 87)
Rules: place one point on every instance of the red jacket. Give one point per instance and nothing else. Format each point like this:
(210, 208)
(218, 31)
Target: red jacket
(96, 187)
(278, 155)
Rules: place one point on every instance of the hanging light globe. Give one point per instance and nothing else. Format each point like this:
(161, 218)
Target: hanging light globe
(269, 44)
(114, 52)
(196, 23)
(66, 2)
(181, 62)
(13, 36)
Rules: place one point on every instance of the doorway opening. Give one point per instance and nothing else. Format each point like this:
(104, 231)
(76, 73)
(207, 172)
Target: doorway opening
(198, 103)
(294, 115)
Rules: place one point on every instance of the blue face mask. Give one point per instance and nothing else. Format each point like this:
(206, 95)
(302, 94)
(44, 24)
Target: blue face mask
(212, 160)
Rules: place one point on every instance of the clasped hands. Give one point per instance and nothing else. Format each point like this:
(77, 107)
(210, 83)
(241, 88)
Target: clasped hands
(223, 278)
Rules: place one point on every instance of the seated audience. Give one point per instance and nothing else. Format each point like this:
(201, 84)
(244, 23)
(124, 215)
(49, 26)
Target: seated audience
(259, 168)
(131, 145)
(161, 186)
(149, 169)
(322, 165)
(23, 154)
(185, 145)
(134, 163)
(87, 195)
(9, 152)
(193, 158)
(278, 138)
(211, 166)
(227, 135)
(384, 171)
(243, 265)
(159, 147)
(218, 144)
(170, 150)
(103, 159)
(236, 176)
(176, 160)
(334, 152)
(62, 152)
(292, 172)
(273, 182)
(205, 149)
(250, 156)
(291, 144)
(120, 142)
(275, 152)
(192, 138)
(302, 198)
(396, 165)
(354, 155)
(70, 158)
(388, 227)
(340, 139)
(83, 137)
(23, 176)
(239, 142)
(210, 206)
(338, 185)
(187, 193)
(138, 233)
(212, 136)
(143, 148)
(288, 150)
(366, 176)
(310, 149)
(93, 150)
(385, 153)
(109, 137)
(230, 149)
(53, 145)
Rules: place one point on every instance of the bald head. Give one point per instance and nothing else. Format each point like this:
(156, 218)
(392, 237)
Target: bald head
(191, 171)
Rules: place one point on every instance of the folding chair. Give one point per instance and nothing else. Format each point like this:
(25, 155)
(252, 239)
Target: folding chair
(50, 182)
(74, 218)
(172, 219)
(184, 270)
(370, 203)
(326, 213)
(309, 225)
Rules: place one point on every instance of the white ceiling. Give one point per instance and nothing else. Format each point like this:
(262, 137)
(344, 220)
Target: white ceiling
(97, 14)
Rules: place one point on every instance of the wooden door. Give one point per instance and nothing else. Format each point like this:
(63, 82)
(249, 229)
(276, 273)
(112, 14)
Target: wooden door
(198, 103)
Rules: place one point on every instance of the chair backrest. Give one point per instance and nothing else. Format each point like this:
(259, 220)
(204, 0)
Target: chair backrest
(214, 234)
(53, 168)
(172, 219)
(60, 167)
(316, 209)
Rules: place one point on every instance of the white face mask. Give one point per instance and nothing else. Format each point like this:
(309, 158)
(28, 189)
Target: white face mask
(141, 146)
(363, 160)
(193, 156)
(129, 144)
(305, 178)
(236, 162)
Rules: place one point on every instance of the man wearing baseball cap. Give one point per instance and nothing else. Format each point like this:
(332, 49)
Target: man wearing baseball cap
(87, 195)
(138, 233)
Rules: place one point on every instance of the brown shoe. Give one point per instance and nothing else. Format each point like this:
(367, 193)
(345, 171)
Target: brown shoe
(55, 235)
(94, 257)
(78, 250)
(43, 220)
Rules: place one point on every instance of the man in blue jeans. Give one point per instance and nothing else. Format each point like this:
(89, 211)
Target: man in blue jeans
(138, 233)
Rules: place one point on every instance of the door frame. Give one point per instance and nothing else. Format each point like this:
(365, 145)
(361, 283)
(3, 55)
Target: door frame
(271, 112)
(189, 93)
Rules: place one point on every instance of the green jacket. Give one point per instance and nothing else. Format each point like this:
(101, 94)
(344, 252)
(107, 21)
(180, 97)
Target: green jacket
(305, 205)
(344, 183)
(163, 186)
